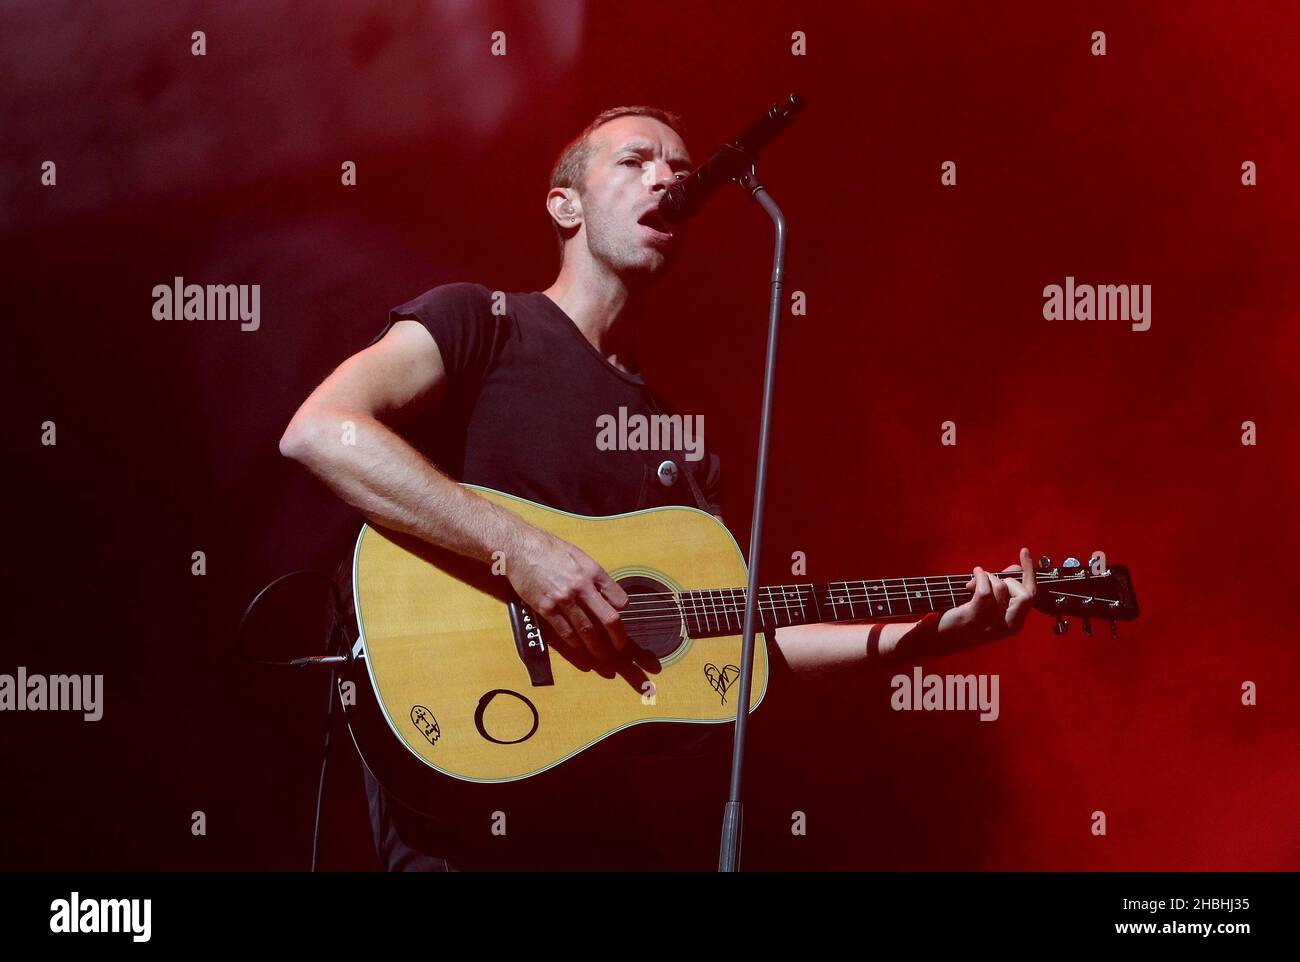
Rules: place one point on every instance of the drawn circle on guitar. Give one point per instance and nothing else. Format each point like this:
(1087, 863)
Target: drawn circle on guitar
(653, 616)
(508, 719)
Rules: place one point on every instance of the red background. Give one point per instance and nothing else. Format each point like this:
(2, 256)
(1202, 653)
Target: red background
(924, 305)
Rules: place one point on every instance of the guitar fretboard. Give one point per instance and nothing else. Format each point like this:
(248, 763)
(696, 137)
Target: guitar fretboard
(721, 611)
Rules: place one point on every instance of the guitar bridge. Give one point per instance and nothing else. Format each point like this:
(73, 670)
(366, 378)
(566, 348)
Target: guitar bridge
(530, 643)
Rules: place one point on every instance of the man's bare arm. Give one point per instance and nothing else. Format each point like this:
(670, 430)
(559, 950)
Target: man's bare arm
(344, 434)
(815, 649)
(997, 608)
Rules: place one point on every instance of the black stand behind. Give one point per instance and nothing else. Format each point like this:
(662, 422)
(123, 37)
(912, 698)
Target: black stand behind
(733, 813)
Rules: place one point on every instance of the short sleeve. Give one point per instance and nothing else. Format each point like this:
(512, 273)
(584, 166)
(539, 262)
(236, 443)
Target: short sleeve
(460, 318)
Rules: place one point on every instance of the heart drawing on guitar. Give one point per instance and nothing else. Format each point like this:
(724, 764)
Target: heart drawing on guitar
(721, 678)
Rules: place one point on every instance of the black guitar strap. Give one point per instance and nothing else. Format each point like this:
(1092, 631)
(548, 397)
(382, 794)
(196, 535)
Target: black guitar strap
(695, 490)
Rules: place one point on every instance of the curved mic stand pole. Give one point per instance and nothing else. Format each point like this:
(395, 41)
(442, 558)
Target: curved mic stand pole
(733, 813)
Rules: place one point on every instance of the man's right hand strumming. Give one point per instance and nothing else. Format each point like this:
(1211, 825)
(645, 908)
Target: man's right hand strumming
(566, 587)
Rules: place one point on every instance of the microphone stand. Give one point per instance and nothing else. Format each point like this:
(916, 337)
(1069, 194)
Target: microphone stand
(733, 813)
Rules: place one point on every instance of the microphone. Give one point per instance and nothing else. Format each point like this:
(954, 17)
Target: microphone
(684, 198)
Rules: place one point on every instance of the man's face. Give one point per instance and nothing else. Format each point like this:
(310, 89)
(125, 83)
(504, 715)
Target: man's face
(634, 162)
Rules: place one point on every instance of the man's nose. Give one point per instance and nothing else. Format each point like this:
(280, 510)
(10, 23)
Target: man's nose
(662, 175)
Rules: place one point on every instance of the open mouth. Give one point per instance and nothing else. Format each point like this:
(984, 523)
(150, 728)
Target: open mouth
(653, 223)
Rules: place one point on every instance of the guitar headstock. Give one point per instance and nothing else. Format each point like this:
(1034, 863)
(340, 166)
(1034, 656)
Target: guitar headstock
(1094, 590)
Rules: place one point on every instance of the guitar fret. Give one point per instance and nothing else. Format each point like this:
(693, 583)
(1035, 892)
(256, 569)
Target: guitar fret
(888, 603)
(721, 611)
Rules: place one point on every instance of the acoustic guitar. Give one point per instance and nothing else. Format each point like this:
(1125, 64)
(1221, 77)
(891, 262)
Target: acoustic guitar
(454, 677)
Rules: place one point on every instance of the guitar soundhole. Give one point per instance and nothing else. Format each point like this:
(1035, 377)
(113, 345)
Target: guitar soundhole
(653, 616)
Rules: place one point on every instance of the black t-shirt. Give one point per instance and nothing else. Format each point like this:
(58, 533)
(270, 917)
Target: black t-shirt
(531, 407)
(525, 394)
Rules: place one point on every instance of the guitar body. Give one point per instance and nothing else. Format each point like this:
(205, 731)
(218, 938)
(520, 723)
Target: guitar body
(453, 681)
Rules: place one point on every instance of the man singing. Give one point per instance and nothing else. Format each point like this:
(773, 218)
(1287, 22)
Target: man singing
(505, 390)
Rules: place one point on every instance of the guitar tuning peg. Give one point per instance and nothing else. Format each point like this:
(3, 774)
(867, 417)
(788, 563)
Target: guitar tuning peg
(1087, 627)
(1061, 626)
(1114, 631)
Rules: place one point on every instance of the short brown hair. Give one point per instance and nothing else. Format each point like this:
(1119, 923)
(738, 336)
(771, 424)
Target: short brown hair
(571, 168)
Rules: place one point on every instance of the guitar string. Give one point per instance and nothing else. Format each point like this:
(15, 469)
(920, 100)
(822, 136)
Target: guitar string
(874, 609)
(900, 583)
(715, 605)
(707, 597)
(714, 596)
(676, 614)
(673, 611)
(791, 603)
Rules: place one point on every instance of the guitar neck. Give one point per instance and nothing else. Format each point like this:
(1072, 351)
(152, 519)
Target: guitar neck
(721, 611)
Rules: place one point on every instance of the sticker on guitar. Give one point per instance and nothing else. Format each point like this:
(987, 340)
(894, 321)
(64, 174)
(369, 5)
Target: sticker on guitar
(720, 679)
(426, 724)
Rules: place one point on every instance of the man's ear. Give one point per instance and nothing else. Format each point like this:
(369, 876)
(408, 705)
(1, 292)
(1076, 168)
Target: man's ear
(564, 206)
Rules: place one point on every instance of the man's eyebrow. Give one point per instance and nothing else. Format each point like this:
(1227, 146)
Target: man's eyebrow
(677, 162)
